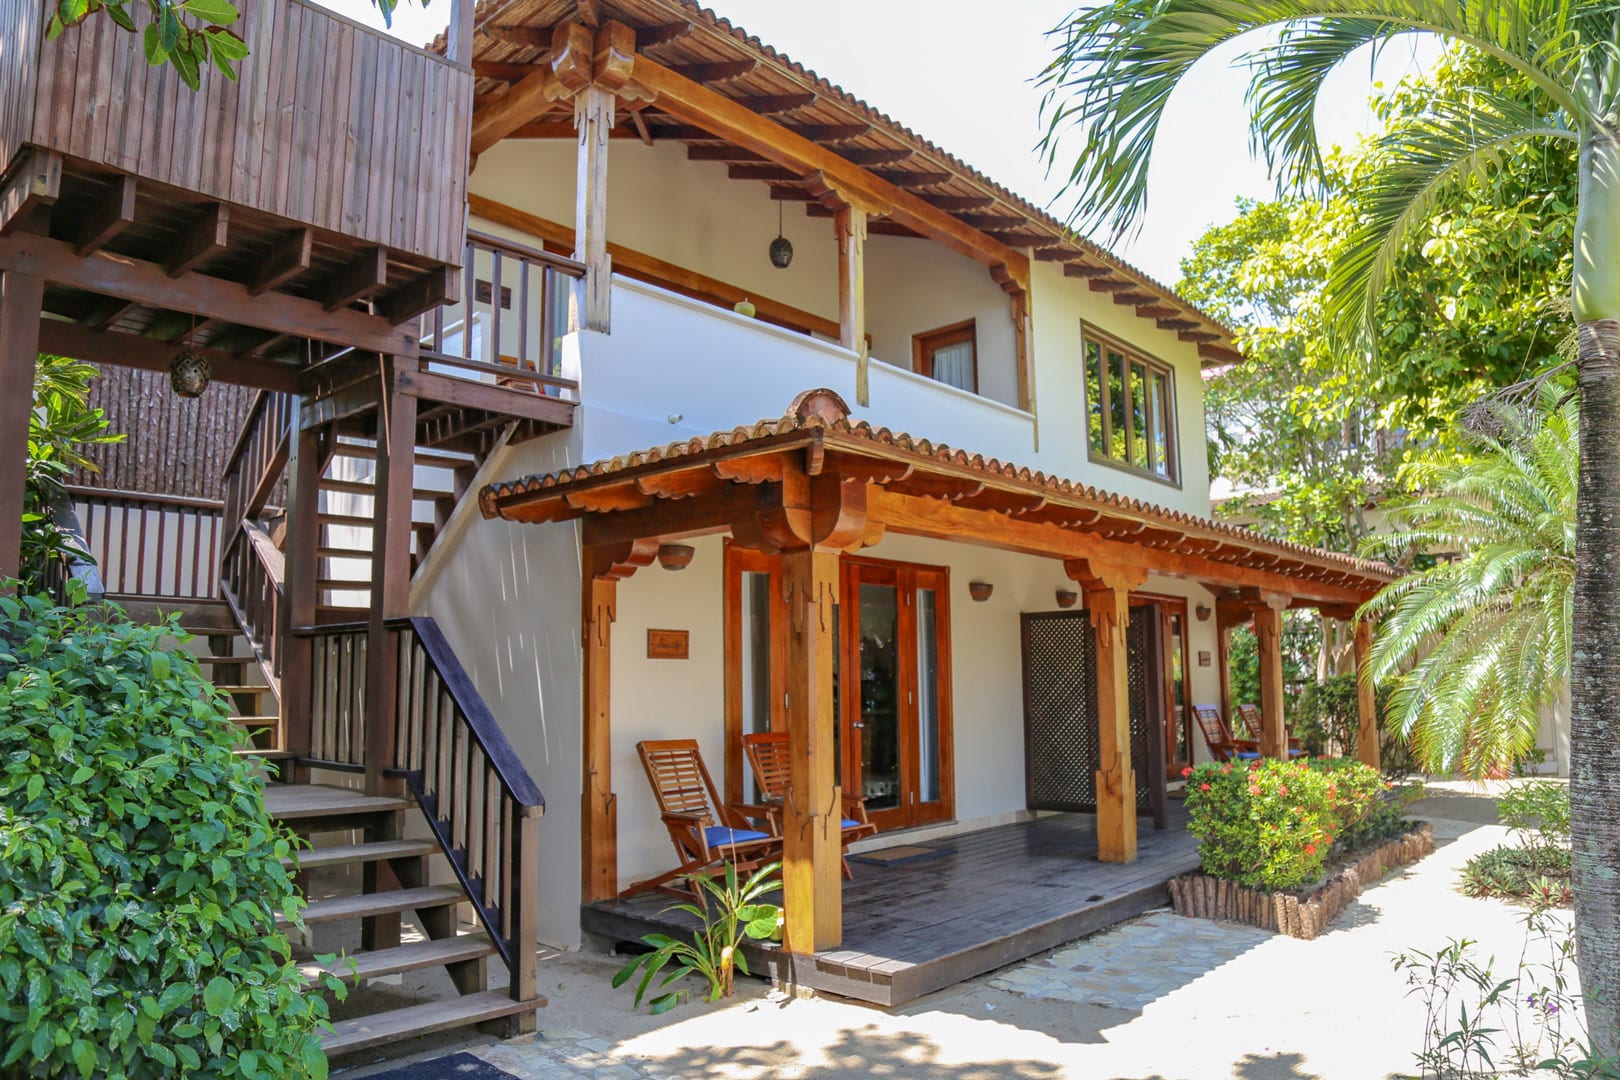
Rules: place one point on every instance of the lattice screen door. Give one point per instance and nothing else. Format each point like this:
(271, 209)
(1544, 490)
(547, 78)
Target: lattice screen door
(1060, 711)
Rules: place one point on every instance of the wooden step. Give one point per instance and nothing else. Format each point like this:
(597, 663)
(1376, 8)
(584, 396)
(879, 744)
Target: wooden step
(347, 584)
(438, 459)
(378, 903)
(235, 689)
(344, 854)
(268, 755)
(367, 489)
(349, 520)
(367, 1031)
(412, 957)
(256, 721)
(343, 553)
(223, 660)
(303, 802)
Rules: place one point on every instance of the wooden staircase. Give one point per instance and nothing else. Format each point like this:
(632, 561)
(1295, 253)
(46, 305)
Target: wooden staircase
(423, 824)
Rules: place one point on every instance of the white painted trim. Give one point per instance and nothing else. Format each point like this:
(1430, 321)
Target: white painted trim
(947, 388)
(465, 510)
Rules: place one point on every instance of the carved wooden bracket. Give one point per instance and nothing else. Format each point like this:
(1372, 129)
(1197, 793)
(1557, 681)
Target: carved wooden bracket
(619, 561)
(1104, 575)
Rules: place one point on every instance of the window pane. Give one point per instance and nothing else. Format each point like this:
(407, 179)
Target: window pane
(1139, 415)
(1116, 406)
(756, 661)
(1094, 398)
(880, 696)
(953, 365)
(927, 697)
(1161, 424)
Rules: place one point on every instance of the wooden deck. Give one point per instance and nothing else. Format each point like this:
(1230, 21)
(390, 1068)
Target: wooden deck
(984, 900)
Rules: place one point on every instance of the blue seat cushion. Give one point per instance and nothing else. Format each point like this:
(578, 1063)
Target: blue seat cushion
(849, 823)
(1247, 755)
(720, 836)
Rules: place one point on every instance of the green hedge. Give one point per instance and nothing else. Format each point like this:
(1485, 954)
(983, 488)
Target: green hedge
(1270, 824)
(141, 874)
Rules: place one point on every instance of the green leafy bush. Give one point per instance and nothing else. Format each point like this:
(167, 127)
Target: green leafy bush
(1266, 825)
(1327, 717)
(61, 428)
(1538, 811)
(1537, 867)
(142, 877)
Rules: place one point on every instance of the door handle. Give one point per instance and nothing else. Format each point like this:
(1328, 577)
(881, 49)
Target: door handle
(857, 725)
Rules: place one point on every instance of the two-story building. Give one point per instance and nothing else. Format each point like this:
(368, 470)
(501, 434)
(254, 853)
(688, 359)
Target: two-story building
(744, 408)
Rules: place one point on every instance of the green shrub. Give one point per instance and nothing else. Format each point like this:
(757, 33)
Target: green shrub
(1537, 868)
(1356, 791)
(142, 876)
(1327, 717)
(1538, 811)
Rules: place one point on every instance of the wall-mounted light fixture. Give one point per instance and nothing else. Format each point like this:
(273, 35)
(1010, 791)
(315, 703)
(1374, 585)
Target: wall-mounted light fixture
(1203, 611)
(781, 247)
(674, 556)
(1066, 598)
(980, 590)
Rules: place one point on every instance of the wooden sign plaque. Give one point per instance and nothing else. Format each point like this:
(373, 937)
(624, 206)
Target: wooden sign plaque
(1203, 658)
(668, 644)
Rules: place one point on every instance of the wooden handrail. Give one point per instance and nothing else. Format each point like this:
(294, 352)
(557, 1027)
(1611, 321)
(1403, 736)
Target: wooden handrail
(503, 371)
(251, 581)
(151, 545)
(560, 263)
(82, 493)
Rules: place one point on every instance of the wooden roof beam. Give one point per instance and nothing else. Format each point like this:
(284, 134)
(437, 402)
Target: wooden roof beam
(1110, 285)
(204, 238)
(719, 153)
(564, 129)
(860, 155)
(36, 182)
(1134, 298)
(359, 279)
(535, 95)
(697, 104)
(958, 204)
(285, 261)
(1200, 337)
(773, 173)
(533, 37)
(715, 71)
(148, 354)
(650, 37)
(113, 213)
(994, 222)
(1084, 270)
(773, 104)
(902, 178)
(505, 70)
(1177, 323)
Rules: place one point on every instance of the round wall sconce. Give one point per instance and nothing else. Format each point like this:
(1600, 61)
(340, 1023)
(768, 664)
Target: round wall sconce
(1203, 611)
(980, 590)
(674, 556)
(1066, 598)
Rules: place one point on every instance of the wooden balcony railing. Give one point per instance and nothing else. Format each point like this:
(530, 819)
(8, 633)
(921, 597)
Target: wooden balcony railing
(337, 710)
(329, 123)
(158, 546)
(510, 320)
(259, 458)
(251, 581)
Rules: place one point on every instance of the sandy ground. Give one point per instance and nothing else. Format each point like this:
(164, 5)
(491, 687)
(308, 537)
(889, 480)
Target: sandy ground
(1274, 1009)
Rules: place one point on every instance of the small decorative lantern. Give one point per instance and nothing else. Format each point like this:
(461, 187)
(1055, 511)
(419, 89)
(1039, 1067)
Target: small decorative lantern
(781, 247)
(1066, 598)
(980, 590)
(674, 556)
(189, 372)
(1203, 611)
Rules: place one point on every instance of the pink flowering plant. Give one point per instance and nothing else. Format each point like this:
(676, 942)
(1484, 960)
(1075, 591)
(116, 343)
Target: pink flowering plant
(1264, 824)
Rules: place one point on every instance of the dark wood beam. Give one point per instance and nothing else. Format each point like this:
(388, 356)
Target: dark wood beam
(904, 178)
(764, 172)
(209, 297)
(107, 310)
(113, 213)
(362, 277)
(856, 155)
(772, 104)
(533, 37)
(564, 129)
(205, 237)
(35, 182)
(816, 133)
(285, 261)
(504, 70)
(994, 222)
(438, 286)
(792, 194)
(1110, 284)
(650, 37)
(148, 354)
(957, 204)
(1085, 270)
(718, 153)
(537, 93)
(719, 71)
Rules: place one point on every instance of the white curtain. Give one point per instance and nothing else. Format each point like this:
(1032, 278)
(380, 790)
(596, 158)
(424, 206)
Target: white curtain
(953, 364)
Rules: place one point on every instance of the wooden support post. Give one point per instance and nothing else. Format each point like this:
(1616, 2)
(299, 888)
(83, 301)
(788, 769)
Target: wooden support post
(812, 892)
(599, 829)
(1368, 748)
(1108, 597)
(1268, 610)
(849, 223)
(593, 120)
(303, 539)
(458, 47)
(1224, 645)
(1018, 300)
(21, 297)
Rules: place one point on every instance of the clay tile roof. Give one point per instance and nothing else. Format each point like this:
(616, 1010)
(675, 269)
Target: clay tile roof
(823, 410)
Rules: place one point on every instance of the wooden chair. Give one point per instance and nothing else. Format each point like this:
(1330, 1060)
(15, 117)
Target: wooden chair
(770, 759)
(1222, 747)
(706, 832)
(1250, 715)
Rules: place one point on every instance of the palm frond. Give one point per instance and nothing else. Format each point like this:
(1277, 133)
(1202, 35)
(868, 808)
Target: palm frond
(1418, 163)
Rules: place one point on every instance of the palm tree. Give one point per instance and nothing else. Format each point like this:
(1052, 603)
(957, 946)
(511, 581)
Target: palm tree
(1478, 646)
(1113, 75)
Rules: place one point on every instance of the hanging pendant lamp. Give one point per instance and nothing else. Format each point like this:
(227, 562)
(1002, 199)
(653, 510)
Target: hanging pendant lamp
(781, 247)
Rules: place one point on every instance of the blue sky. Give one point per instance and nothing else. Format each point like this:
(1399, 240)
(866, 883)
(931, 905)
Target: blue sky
(964, 81)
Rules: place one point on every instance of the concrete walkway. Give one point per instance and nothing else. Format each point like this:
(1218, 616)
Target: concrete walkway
(1161, 997)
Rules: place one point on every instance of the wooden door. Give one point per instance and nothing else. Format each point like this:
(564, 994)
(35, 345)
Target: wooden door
(894, 691)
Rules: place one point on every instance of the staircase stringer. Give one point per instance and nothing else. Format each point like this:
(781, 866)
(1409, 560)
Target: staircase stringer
(440, 552)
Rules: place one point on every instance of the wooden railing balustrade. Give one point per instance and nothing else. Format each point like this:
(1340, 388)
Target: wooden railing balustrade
(160, 546)
(519, 299)
(259, 458)
(251, 580)
(479, 800)
(337, 711)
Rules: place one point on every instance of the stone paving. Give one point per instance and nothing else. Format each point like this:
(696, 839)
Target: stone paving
(565, 1054)
(1132, 964)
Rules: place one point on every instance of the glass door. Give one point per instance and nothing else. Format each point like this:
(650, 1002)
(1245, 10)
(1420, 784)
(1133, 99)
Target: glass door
(895, 692)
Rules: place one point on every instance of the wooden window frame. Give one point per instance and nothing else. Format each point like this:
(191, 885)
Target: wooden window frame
(924, 345)
(1130, 355)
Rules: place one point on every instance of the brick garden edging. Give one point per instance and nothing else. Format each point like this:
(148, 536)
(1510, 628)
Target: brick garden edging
(1204, 897)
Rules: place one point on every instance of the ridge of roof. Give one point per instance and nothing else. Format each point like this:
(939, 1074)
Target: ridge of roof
(805, 416)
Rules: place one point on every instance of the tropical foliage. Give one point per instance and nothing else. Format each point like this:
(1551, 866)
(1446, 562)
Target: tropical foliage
(1549, 72)
(60, 427)
(143, 878)
(1476, 647)
(730, 911)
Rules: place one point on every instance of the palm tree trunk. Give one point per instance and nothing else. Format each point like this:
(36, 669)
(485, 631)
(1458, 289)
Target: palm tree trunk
(1594, 788)
(1594, 729)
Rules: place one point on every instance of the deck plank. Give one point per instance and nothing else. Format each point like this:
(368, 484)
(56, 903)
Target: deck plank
(994, 897)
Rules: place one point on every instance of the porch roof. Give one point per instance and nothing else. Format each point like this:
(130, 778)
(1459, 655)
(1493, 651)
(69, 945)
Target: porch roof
(745, 480)
(513, 40)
